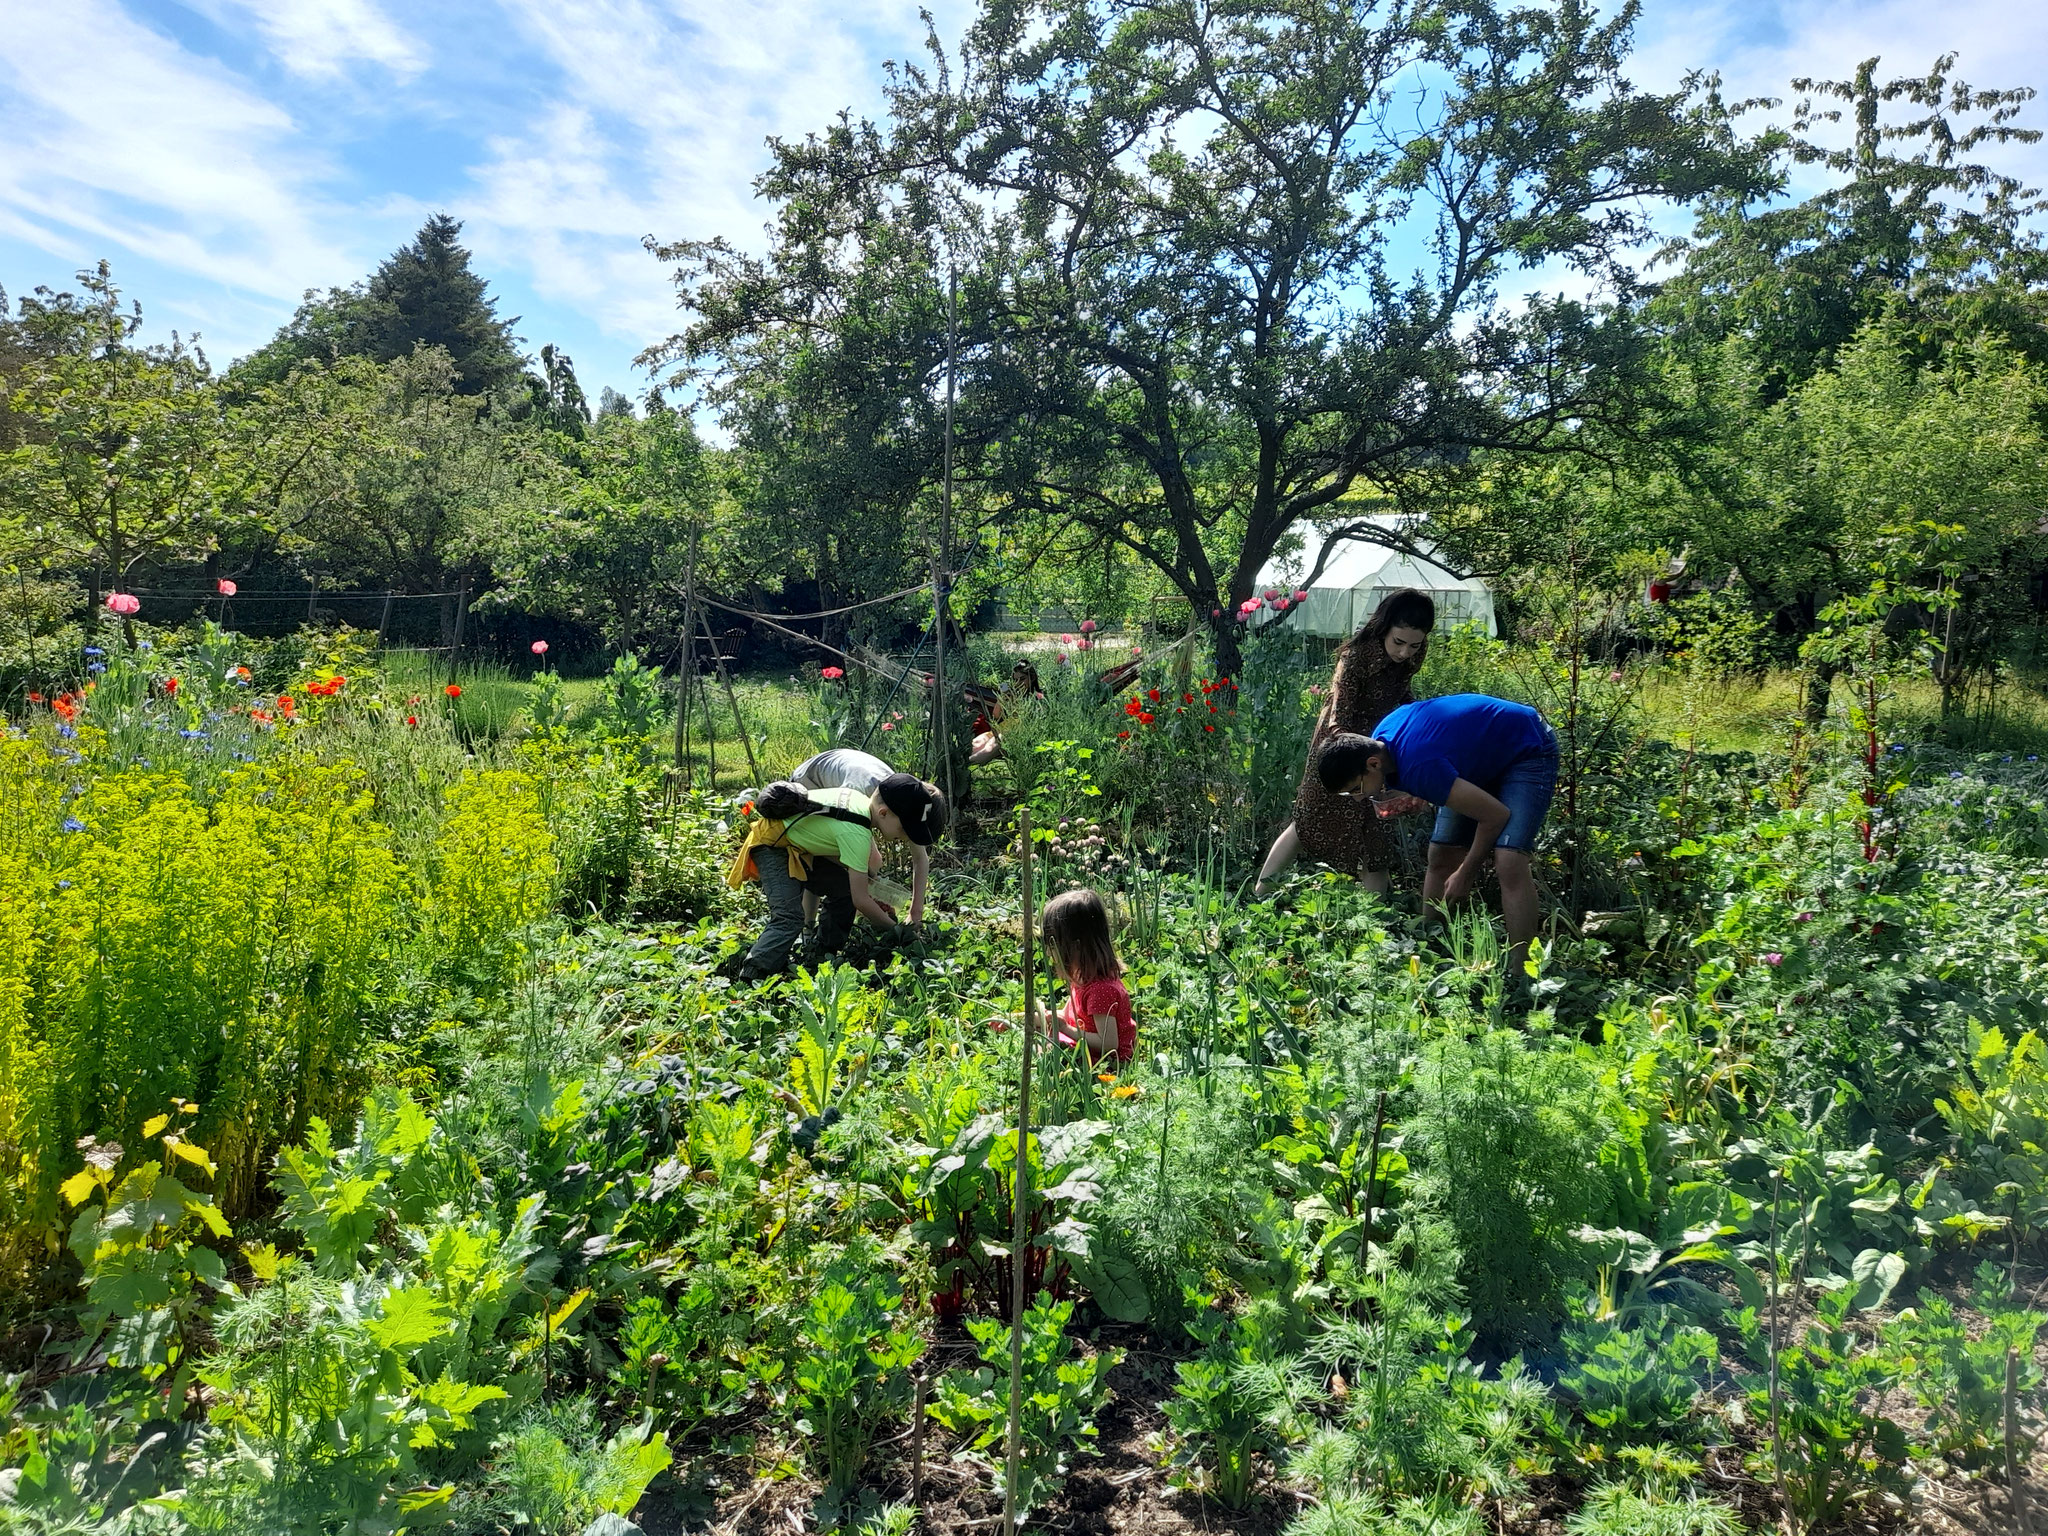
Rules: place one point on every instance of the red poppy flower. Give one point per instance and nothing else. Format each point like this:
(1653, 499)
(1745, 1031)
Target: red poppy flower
(412, 720)
(1208, 727)
(1145, 718)
(1153, 695)
(453, 690)
(1123, 735)
(170, 685)
(35, 698)
(1131, 707)
(286, 707)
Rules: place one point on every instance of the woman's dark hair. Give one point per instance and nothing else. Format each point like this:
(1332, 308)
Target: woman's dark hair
(1026, 674)
(1346, 755)
(1405, 609)
(920, 807)
(1075, 932)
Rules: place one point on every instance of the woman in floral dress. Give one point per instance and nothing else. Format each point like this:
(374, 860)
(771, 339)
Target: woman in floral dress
(1375, 671)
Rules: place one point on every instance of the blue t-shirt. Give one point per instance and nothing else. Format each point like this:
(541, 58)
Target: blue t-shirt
(1468, 736)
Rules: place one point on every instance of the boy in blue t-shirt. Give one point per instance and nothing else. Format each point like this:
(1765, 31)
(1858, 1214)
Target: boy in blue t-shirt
(1491, 767)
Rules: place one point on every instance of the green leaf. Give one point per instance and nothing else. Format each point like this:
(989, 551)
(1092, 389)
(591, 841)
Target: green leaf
(411, 1319)
(1113, 1280)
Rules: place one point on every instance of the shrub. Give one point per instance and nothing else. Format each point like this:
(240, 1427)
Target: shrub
(1062, 1396)
(228, 955)
(1510, 1142)
(1636, 1384)
(493, 872)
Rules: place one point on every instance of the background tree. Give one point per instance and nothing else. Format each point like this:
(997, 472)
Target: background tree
(116, 447)
(397, 503)
(600, 534)
(1896, 274)
(425, 294)
(1187, 221)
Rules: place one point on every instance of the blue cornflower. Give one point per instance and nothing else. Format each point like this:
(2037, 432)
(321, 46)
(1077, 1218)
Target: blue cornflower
(93, 650)
(69, 733)
(1898, 746)
(1955, 773)
(144, 645)
(63, 885)
(73, 824)
(193, 735)
(96, 668)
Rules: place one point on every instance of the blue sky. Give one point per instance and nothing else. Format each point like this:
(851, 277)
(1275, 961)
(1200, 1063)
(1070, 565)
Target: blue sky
(228, 154)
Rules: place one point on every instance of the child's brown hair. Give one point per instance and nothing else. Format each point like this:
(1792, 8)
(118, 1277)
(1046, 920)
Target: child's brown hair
(1075, 932)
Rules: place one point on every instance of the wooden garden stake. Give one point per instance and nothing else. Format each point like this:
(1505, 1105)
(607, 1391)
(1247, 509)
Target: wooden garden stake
(1021, 1190)
(738, 720)
(684, 661)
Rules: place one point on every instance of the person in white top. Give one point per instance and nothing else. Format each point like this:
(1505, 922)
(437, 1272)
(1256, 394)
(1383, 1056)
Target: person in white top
(850, 768)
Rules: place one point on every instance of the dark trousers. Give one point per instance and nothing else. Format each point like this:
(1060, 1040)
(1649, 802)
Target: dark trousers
(836, 911)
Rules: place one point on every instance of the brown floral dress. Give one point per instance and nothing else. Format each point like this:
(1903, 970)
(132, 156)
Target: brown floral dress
(1346, 834)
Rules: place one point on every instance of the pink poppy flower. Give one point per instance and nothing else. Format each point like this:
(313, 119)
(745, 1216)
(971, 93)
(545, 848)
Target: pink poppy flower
(831, 674)
(224, 587)
(124, 603)
(539, 647)
(1300, 595)
(1774, 958)
(1087, 626)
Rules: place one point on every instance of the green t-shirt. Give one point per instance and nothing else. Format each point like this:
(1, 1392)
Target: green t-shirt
(834, 838)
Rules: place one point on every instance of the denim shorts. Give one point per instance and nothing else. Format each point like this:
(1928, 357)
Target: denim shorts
(1525, 789)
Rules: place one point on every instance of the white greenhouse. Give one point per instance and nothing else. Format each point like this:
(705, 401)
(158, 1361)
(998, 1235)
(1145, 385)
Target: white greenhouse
(1359, 575)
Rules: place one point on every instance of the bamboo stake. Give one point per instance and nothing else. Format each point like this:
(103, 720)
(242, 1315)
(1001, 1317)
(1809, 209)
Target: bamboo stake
(28, 621)
(942, 566)
(1777, 1436)
(461, 618)
(2022, 1519)
(1021, 1192)
(923, 1385)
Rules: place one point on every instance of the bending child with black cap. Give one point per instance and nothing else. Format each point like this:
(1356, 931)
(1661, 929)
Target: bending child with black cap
(827, 842)
(851, 768)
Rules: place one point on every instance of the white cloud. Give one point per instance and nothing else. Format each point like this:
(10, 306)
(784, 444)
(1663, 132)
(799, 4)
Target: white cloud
(320, 38)
(122, 142)
(659, 127)
(1759, 48)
